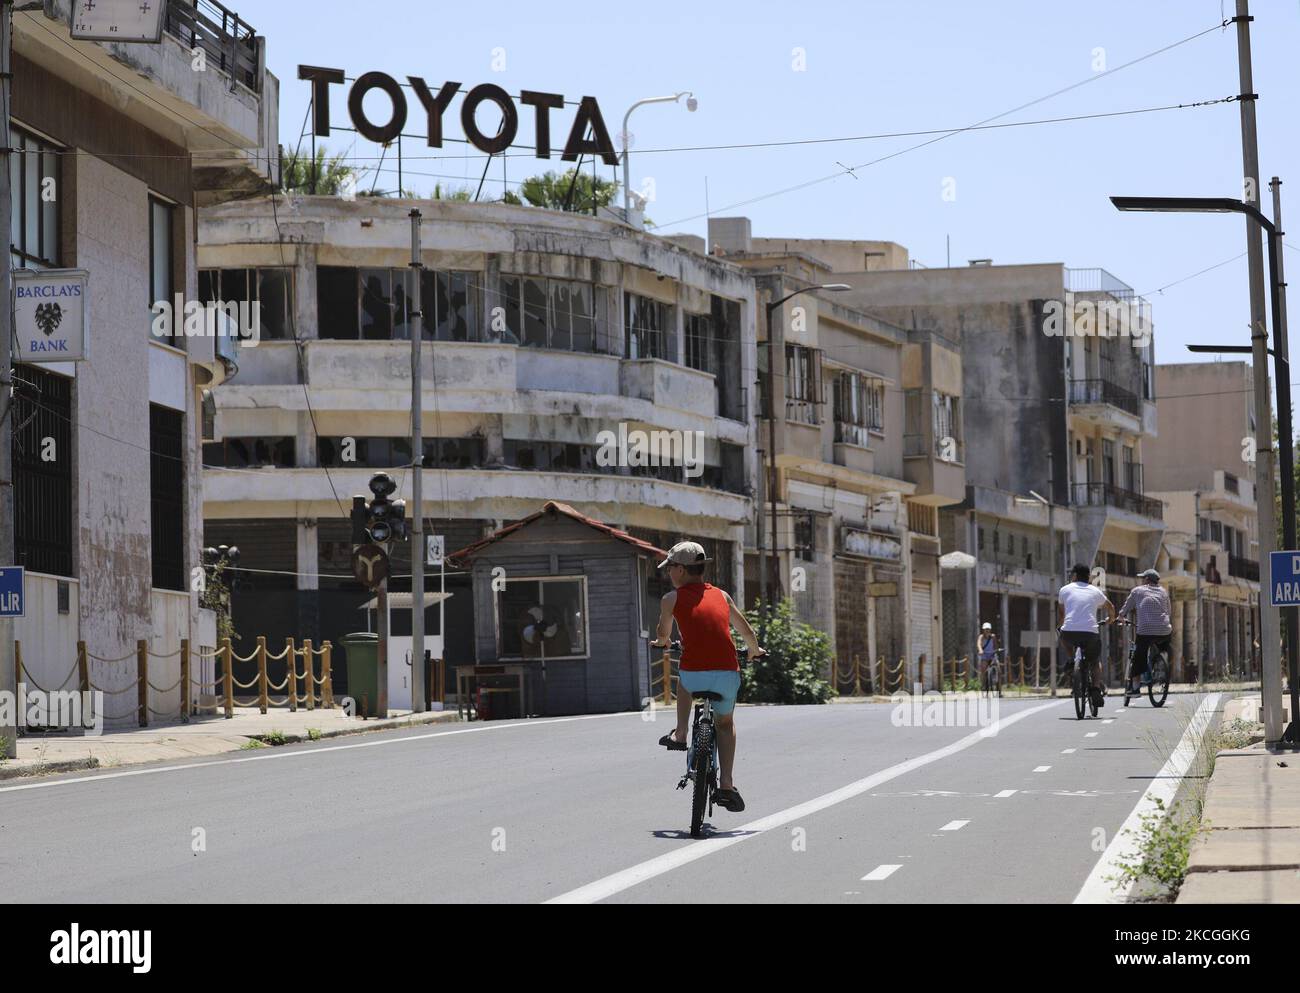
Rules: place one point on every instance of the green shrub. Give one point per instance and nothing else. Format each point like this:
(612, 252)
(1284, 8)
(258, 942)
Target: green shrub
(793, 672)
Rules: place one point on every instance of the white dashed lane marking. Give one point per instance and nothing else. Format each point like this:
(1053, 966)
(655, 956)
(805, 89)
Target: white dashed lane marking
(1041, 768)
(1068, 751)
(1004, 794)
(880, 872)
(954, 825)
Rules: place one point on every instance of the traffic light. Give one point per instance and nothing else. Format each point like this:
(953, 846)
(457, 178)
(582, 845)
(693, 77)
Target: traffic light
(385, 519)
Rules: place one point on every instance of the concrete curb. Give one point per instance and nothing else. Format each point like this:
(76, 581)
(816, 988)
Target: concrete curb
(390, 724)
(8, 770)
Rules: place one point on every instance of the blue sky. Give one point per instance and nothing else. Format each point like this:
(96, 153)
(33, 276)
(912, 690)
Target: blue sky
(1028, 194)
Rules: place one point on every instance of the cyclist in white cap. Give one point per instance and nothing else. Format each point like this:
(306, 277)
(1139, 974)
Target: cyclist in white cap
(988, 648)
(705, 616)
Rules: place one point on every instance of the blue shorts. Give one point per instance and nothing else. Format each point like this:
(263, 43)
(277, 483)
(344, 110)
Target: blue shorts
(724, 682)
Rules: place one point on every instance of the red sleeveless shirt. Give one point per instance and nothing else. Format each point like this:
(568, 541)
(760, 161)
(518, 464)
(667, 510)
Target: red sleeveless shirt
(704, 619)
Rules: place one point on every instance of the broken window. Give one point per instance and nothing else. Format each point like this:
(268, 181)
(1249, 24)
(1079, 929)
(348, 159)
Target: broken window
(337, 303)
(803, 380)
(269, 291)
(240, 453)
(649, 326)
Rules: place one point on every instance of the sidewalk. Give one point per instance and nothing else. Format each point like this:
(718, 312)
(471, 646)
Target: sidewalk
(203, 735)
(1250, 850)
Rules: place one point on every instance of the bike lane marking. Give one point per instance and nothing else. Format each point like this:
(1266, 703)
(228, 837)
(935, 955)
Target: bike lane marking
(954, 825)
(1004, 794)
(307, 752)
(880, 872)
(617, 882)
(1041, 768)
(1124, 844)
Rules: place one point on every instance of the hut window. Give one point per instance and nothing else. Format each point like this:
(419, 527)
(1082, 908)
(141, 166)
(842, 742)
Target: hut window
(543, 618)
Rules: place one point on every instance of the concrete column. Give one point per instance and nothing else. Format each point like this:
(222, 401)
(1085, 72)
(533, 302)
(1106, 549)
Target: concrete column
(1004, 619)
(490, 299)
(308, 556)
(1033, 623)
(306, 316)
(1176, 609)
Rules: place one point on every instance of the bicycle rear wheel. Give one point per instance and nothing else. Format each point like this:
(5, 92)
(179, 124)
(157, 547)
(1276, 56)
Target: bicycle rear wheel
(700, 791)
(1158, 688)
(1080, 694)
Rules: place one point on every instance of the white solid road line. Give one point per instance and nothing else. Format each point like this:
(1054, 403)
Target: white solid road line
(1068, 751)
(1004, 794)
(880, 872)
(308, 752)
(954, 825)
(1123, 846)
(617, 882)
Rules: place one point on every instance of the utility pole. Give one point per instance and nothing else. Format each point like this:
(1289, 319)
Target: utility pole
(1056, 576)
(417, 488)
(1196, 557)
(1270, 634)
(1286, 445)
(8, 662)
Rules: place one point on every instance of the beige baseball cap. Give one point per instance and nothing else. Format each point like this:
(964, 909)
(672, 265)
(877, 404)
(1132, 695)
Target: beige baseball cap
(686, 553)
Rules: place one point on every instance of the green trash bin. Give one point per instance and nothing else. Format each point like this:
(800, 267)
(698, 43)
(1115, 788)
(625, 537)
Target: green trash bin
(362, 648)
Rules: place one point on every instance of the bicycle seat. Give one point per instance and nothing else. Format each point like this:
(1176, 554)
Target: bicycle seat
(707, 695)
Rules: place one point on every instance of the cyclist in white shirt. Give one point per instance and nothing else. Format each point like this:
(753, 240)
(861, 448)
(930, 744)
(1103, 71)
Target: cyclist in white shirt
(1076, 613)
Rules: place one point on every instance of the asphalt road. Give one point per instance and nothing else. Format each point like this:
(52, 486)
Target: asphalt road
(584, 809)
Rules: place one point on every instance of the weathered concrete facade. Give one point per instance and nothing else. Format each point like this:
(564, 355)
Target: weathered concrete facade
(1049, 413)
(865, 455)
(661, 339)
(116, 153)
(1205, 447)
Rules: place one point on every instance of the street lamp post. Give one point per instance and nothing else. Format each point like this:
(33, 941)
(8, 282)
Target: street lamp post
(691, 104)
(1051, 558)
(771, 445)
(1270, 634)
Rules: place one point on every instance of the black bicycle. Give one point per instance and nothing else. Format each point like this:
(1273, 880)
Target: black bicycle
(702, 750)
(1155, 678)
(1084, 693)
(992, 682)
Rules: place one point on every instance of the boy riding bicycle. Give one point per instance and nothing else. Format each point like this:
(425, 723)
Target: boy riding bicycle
(705, 616)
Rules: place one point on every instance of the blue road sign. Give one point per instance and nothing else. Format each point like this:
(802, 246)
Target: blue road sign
(1284, 579)
(11, 591)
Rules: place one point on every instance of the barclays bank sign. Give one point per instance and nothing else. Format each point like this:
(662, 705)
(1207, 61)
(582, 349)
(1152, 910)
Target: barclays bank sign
(50, 320)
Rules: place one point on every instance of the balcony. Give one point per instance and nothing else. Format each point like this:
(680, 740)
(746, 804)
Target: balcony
(1107, 495)
(1243, 568)
(228, 43)
(1102, 391)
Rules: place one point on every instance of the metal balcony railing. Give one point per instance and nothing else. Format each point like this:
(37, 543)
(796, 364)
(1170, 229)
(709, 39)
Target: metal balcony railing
(1104, 391)
(1243, 568)
(1106, 495)
(228, 43)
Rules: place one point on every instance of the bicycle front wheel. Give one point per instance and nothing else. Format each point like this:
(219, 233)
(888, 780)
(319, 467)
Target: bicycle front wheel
(1080, 694)
(700, 793)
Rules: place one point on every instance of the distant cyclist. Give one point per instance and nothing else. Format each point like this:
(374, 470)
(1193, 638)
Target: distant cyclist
(705, 616)
(1076, 613)
(988, 647)
(1150, 604)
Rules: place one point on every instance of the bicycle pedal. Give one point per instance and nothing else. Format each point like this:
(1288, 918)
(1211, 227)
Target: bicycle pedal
(681, 785)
